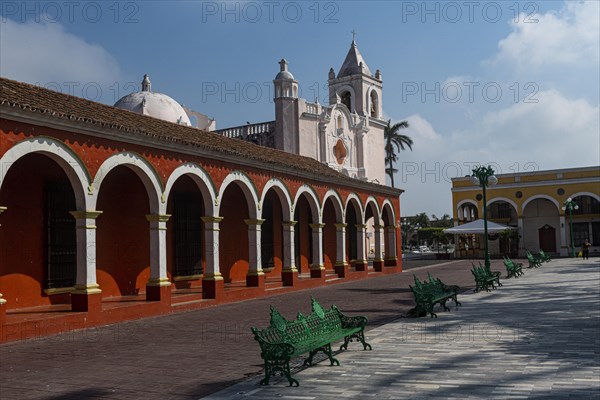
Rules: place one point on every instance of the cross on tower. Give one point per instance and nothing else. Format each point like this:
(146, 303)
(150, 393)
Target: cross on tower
(353, 34)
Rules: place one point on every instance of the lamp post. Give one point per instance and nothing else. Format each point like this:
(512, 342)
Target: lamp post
(569, 205)
(484, 176)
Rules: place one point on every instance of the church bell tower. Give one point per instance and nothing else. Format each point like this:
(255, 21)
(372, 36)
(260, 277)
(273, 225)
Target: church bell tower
(357, 88)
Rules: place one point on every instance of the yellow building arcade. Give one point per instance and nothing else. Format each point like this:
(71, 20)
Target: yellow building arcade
(534, 202)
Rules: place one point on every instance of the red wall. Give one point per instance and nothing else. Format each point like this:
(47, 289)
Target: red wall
(123, 234)
(22, 240)
(303, 216)
(123, 231)
(329, 235)
(185, 185)
(233, 235)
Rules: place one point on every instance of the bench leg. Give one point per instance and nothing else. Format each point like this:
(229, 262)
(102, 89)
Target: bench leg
(325, 349)
(360, 336)
(456, 302)
(282, 366)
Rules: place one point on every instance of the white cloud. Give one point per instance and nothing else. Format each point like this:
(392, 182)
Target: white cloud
(556, 132)
(570, 37)
(44, 53)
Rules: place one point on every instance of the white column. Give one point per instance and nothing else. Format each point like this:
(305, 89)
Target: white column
(85, 282)
(2, 301)
(391, 253)
(289, 252)
(158, 249)
(378, 233)
(340, 235)
(254, 246)
(317, 237)
(520, 226)
(564, 244)
(211, 248)
(361, 233)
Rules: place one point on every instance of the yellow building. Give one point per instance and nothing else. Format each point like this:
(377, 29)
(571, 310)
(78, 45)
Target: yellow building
(533, 202)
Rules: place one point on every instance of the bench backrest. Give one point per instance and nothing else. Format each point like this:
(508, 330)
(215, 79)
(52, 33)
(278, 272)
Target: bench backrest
(318, 322)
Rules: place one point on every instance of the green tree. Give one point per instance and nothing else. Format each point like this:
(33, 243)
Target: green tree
(394, 143)
(444, 222)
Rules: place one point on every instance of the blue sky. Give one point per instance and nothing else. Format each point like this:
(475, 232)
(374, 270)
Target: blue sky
(511, 83)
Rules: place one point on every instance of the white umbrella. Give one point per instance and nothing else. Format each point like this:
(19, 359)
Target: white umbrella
(477, 227)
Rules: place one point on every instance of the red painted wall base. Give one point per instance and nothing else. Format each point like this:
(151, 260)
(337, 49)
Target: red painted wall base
(86, 302)
(255, 281)
(317, 273)
(159, 293)
(361, 265)
(391, 262)
(378, 265)
(341, 270)
(213, 289)
(289, 278)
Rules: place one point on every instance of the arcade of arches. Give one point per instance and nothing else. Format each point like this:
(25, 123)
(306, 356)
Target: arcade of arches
(532, 202)
(98, 203)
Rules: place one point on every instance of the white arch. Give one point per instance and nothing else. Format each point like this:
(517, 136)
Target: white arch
(350, 89)
(313, 201)
(283, 193)
(377, 213)
(142, 169)
(202, 180)
(337, 205)
(65, 157)
(248, 188)
(467, 201)
(388, 203)
(593, 195)
(354, 196)
(377, 105)
(509, 201)
(540, 196)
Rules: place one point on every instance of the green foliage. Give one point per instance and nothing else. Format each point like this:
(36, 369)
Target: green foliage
(394, 142)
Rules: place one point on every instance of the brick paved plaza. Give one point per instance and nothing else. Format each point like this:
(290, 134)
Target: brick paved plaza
(536, 337)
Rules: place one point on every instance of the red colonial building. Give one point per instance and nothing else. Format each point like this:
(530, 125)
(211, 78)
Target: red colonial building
(107, 214)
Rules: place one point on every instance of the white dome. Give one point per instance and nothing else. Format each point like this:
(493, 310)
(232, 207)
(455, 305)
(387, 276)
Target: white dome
(153, 104)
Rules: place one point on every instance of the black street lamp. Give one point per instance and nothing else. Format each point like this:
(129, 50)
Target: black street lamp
(569, 205)
(484, 176)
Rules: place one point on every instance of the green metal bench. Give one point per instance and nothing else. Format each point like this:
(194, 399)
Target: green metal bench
(513, 269)
(534, 261)
(429, 293)
(544, 257)
(485, 277)
(284, 340)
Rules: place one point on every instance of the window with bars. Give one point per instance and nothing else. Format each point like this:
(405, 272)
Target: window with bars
(351, 236)
(187, 225)
(267, 250)
(61, 238)
(587, 205)
(580, 233)
(595, 234)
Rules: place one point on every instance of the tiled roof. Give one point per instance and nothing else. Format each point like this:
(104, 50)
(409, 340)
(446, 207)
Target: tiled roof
(65, 107)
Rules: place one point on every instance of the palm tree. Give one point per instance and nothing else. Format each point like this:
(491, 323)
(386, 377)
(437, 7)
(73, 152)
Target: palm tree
(394, 142)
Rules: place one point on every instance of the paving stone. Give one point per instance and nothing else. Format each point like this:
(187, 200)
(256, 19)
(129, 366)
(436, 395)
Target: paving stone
(535, 337)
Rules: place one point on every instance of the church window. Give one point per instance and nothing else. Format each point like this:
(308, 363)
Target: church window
(347, 100)
(61, 239)
(340, 122)
(374, 105)
(188, 235)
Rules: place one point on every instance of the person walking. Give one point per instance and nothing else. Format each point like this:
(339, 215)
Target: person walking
(585, 250)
